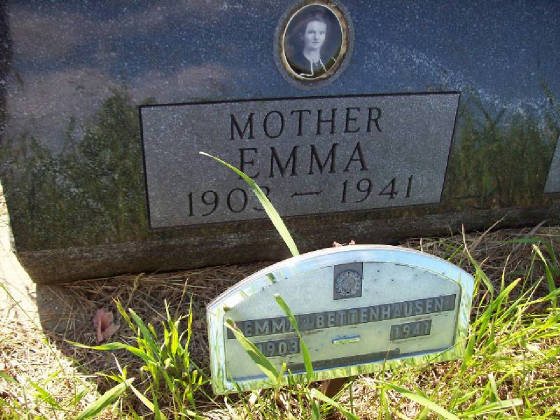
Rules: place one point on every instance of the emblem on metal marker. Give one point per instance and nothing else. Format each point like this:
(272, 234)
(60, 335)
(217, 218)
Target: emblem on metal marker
(313, 41)
(347, 281)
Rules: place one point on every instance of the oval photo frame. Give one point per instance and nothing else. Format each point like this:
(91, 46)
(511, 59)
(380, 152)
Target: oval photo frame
(313, 42)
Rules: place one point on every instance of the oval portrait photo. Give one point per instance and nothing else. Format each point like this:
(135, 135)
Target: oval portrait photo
(314, 41)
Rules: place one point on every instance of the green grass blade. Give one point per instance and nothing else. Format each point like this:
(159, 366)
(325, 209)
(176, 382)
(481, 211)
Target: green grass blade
(424, 402)
(481, 275)
(45, 396)
(315, 393)
(194, 415)
(494, 406)
(549, 276)
(254, 353)
(8, 378)
(125, 316)
(145, 400)
(96, 407)
(304, 351)
(469, 351)
(148, 336)
(158, 415)
(116, 346)
(315, 410)
(267, 206)
(174, 326)
(77, 398)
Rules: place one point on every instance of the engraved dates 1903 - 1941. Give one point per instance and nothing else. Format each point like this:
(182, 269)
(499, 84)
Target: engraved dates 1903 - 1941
(290, 345)
(239, 200)
(397, 332)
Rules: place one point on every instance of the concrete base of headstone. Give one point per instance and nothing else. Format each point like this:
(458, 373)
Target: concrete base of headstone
(236, 244)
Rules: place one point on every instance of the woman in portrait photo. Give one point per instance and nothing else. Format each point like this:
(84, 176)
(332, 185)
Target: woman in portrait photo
(310, 42)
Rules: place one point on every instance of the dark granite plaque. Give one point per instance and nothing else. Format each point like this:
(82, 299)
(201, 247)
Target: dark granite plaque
(314, 155)
(73, 76)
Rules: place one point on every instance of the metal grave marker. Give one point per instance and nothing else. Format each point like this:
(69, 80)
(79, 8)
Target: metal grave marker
(356, 307)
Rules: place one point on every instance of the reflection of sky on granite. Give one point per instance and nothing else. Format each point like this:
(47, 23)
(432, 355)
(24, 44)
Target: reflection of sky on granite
(69, 54)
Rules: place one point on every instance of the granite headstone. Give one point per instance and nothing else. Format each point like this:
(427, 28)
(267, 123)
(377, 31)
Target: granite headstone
(371, 120)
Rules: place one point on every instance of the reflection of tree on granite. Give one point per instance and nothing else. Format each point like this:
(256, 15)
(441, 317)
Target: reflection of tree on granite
(36, 202)
(91, 193)
(106, 169)
(499, 161)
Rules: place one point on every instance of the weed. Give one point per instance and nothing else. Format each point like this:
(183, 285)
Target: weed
(173, 379)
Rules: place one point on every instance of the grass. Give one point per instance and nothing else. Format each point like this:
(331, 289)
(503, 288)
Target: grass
(172, 379)
(512, 368)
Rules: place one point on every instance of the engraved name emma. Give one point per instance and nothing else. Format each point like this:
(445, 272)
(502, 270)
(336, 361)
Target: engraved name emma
(304, 160)
(344, 317)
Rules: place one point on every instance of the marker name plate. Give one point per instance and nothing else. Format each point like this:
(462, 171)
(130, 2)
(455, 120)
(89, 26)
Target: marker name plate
(398, 304)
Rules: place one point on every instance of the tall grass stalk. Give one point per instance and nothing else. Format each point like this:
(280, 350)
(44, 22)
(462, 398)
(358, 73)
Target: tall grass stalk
(267, 205)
